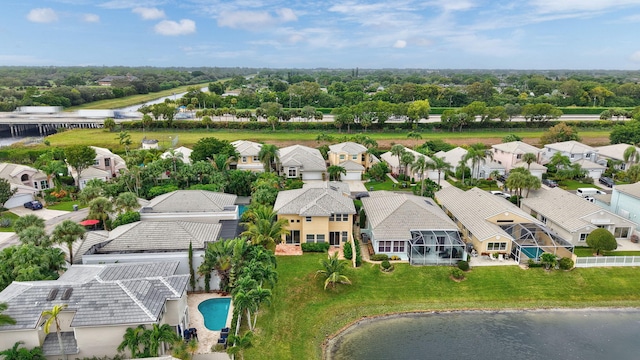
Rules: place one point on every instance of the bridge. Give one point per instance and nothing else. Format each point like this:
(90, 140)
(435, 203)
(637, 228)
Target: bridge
(47, 124)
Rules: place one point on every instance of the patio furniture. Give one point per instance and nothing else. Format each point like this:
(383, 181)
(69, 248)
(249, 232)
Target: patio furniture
(223, 341)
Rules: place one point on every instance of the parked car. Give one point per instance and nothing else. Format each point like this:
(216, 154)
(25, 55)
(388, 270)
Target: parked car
(501, 194)
(33, 205)
(550, 183)
(606, 181)
(502, 178)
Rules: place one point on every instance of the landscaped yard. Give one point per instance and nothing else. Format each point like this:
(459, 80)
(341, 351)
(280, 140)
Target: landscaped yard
(574, 185)
(302, 315)
(65, 205)
(388, 185)
(11, 216)
(588, 252)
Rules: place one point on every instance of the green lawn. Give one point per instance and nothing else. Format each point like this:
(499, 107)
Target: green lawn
(133, 99)
(574, 185)
(65, 206)
(302, 315)
(388, 184)
(588, 252)
(12, 217)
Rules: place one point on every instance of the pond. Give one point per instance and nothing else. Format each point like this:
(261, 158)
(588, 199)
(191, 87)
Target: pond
(576, 334)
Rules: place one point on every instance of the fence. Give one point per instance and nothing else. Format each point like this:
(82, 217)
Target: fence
(601, 261)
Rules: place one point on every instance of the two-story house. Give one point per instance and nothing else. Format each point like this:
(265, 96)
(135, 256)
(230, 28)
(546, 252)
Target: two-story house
(510, 154)
(27, 182)
(301, 162)
(615, 153)
(106, 166)
(316, 214)
(572, 149)
(352, 156)
(625, 202)
(395, 166)
(248, 152)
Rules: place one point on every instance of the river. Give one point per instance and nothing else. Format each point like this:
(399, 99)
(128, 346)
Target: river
(579, 335)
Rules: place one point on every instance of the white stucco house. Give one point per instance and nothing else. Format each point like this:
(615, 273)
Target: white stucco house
(248, 152)
(510, 154)
(396, 168)
(181, 153)
(572, 149)
(27, 181)
(106, 166)
(302, 162)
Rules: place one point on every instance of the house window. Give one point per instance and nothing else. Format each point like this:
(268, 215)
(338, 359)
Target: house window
(623, 166)
(96, 162)
(621, 232)
(572, 156)
(342, 157)
(43, 184)
(355, 157)
(291, 220)
(292, 172)
(345, 236)
(497, 246)
(543, 219)
(311, 238)
(107, 162)
(345, 217)
(583, 237)
(244, 159)
(332, 217)
(24, 177)
(398, 246)
(320, 238)
(363, 157)
(255, 159)
(35, 184)
(519, 156)
(384, 246)
(588, 155)
(307, 218)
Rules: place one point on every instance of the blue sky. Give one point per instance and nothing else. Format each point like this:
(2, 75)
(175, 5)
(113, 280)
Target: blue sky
(457, 34)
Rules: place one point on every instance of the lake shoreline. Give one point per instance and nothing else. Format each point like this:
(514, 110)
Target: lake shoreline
(334, 339)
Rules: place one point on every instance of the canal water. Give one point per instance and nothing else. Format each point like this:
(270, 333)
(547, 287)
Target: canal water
(530, 335)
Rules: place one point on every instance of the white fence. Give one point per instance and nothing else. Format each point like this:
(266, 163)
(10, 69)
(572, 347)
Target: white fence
(602, 261)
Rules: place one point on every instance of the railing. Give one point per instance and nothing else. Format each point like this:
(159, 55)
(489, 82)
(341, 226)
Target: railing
(584, 262)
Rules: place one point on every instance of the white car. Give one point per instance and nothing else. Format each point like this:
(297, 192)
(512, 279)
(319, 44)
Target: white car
(501, 194)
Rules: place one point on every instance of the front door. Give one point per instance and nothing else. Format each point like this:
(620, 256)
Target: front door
(334, 238)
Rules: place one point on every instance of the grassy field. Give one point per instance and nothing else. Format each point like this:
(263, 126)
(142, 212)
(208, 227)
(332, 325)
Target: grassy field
(133, 99)
(302, 315)
(102, 138)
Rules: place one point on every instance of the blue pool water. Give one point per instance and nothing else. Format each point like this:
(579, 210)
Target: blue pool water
(241, 209)
(215, 312)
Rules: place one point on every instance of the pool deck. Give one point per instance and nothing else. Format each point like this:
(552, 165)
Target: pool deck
(206, 337)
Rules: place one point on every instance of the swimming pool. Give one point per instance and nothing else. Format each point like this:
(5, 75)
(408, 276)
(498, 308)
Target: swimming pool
(215, 312)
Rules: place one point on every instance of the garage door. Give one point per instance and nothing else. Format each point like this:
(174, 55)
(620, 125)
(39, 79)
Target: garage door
(18, 200)
(352, 175)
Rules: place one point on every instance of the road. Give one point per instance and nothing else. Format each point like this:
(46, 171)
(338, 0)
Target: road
(75, 216)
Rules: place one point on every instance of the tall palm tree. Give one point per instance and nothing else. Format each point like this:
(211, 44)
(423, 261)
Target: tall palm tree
(99, 209)
(242, 302)
(397, 150)
(240, 343)
(529, 158)
(266, 233)
(420, 166)
(259, 296)
(219, 257)
(333, 271)
(531, 182)
(22, 353)
(158, 335)
(126, 201)
(52, 318)
(174, 156)
(132, 340)
(5, 319)
(335, 171)
(477, 157)
(67, 232)
(26, 221)
(268, 155)
(439, 165)
(405, 159)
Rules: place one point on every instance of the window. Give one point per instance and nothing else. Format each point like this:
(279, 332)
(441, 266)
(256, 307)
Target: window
(332, 217)
(384, 246)
(43, 184)
(342, 157)
(255, 159)
(543, 219)
(519, 156)
(583, 237)
(497, 246)
(96, 162)
(244, 159)
(292, 172)
(398, 246)
(24, 177)
(297, 220)
(621, 232)
(320, 238)
(588, 155)
(307, 218)
(345, 236)
(363, 157)
(355, 157)
(572, 156)
(35, 184)
(107, 162)
(345, 217)
(311, 238)
(291, 220)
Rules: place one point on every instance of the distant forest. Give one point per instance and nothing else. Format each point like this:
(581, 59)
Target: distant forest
(324, 88)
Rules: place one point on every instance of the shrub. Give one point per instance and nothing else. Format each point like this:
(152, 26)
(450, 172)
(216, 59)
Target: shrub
(565, 263)
(394, 257)
(347, 251)
(533, 264)
(358, 254)
(379, 257)
(634, 238)
(315, 247)
(463, 265)
(457, 274)
(126, 218)
(386, 265)
(5, 222)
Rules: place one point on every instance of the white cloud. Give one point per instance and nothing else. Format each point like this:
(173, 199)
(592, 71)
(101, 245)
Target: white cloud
(635, 57)
(400, 44)
(255, 20)
(149, 13)
(42, 15)
(453, 5)
(91, 18)
(130, 4)
(553, 6)
(173, 28)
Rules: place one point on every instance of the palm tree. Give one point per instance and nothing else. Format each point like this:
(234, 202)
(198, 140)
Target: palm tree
(157, 335)
(397, 150)
(335, 171)
(132, 340)
(420, 166)
(99, 209)
(268, 155)
(405, 159)
(242, 302)
(125, 139)
(240, 343)
(332, 270)
(21, 353)
(126, 201)
(439, 165)
(67, 232)
(52, 318)
(531, 182)
(5, 319)
(35, 236)
(462, 166)
(631, 155)
(27, 221)
(477, 157)
(266, 233)
(529, 158)
(259, 296)
(218, 256)
(174, 156)
(633, 174)
(50, 166)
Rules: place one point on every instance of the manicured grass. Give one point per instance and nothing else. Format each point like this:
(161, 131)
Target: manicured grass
(133, 99)
(65, 206)
(12, 217)
(388, 185)
(574, 185)
(302, 314)
(588, 252)
(102, 138)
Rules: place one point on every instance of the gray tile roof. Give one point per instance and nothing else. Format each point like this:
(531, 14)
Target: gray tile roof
(247, 148)
(615, 151)
(516, 147)
(392, 216)
(313, 202)
(629, 189)
(571, 147)
(145, 236)
(453, 156)
(586, 164)
(102, 295)
(50, 346)
(82, 246)
(189, 201)
(474, 206)
(349, 147)
(309, 159)
(352, 166)
(563, 208)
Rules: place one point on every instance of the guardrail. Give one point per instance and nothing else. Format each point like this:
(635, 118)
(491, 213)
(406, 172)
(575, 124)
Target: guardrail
(601, 261)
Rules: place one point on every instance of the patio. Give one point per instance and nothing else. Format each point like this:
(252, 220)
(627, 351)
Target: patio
(206, 338)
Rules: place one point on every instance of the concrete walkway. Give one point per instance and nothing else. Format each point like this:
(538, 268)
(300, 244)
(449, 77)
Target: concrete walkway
(392, 178)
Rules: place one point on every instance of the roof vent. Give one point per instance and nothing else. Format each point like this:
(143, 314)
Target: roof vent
(67, 293)
(52, 294)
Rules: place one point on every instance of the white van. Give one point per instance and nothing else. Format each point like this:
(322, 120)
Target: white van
(583, 192)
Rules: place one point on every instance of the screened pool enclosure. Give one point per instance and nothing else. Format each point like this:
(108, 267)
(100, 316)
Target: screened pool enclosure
(531, 240)
(436, 247)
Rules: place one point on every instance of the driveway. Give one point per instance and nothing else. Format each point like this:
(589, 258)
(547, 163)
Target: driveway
(42, 213)
(51, 217)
